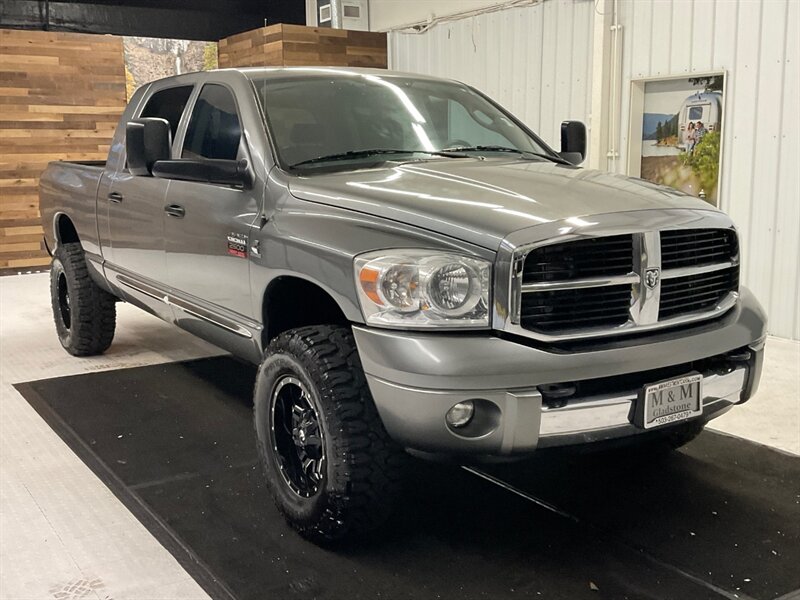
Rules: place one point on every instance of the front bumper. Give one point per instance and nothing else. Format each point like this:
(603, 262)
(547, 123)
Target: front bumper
(416, 377)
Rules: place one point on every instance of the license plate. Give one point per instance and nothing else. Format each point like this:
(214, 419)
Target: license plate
(670, 401)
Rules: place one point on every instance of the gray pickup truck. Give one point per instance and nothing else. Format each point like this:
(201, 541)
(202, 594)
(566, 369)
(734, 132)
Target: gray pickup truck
(413, 269)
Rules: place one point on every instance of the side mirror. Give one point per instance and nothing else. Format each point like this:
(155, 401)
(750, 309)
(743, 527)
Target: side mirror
(206, 170)
(146, 142)
(573, 141)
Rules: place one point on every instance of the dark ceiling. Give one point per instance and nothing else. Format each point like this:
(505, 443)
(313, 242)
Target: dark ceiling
(180, 19)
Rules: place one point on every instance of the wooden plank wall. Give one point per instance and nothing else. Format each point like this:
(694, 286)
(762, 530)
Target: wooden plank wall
(296, 45)
(256, 48)
(61, 95)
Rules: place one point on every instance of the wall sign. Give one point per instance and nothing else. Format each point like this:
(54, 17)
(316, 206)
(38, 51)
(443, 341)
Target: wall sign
(676, 137)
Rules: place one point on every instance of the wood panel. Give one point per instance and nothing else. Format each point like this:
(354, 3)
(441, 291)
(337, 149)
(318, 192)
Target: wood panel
(61, 95)
(256, 48)
(295, 45)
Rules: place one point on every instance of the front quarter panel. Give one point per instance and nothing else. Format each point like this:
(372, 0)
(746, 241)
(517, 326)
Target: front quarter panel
(318, 243)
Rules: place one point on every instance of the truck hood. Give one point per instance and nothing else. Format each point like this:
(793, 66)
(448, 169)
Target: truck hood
(482, 201)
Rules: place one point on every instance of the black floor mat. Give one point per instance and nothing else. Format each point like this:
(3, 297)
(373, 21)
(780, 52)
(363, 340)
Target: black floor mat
(720, 519)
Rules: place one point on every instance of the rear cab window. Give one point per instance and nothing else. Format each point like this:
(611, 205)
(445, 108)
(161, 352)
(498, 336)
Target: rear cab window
(168, 104)
(214, 131)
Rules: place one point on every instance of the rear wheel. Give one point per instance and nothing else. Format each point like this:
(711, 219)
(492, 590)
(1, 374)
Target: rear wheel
(84, 313)
(329, 463)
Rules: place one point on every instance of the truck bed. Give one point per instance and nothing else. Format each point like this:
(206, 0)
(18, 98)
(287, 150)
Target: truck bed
(70, 188)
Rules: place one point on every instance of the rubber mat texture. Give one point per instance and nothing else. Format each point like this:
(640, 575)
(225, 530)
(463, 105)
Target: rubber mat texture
(175, 442)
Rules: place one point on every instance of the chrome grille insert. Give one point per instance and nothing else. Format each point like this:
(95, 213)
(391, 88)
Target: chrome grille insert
(604, 285)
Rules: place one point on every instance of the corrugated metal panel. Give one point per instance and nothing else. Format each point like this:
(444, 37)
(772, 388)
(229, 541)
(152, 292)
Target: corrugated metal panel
(535, 60)
(756, 44)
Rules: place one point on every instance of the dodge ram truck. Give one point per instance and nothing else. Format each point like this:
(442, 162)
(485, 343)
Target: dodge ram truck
(413, 270)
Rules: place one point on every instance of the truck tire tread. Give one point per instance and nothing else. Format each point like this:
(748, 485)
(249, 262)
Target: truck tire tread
(93, 310)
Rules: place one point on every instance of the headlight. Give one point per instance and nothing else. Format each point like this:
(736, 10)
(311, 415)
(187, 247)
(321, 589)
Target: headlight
(423, 288)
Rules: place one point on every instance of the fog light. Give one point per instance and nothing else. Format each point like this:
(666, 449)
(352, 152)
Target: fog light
(460, 414)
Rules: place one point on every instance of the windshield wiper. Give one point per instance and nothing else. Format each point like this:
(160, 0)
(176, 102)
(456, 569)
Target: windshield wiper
(555, 159)
(485, 149)
(372, 152)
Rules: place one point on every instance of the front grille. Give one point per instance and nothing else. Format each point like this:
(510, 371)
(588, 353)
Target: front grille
(592, 257)
(697, 247)
(576, 309)
(604, 285)
(551, 311)
(696, 292)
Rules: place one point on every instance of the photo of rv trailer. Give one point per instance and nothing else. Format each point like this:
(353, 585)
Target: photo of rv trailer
(681, 134)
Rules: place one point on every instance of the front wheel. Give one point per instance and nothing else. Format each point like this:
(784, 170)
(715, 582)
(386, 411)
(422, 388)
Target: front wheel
(329, 463)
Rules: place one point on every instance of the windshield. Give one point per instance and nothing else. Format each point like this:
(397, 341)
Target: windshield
(333, 114)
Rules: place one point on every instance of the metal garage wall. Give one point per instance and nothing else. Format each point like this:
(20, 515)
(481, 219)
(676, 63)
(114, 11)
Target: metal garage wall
(535, 61)
(757, 43)
(388, 14)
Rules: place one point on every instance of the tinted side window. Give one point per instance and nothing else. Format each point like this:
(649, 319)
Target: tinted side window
(168, 104)
(214, 129)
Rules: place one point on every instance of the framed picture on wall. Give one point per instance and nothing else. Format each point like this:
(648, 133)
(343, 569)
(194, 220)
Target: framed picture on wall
(676, 133)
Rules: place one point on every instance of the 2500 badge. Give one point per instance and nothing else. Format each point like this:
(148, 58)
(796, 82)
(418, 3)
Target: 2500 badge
(237, 245)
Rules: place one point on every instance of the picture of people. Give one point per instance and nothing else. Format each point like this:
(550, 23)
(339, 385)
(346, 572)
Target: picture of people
(681, 132)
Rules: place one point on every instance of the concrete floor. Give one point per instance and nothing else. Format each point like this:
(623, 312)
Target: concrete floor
(64, 535)
(772, 417)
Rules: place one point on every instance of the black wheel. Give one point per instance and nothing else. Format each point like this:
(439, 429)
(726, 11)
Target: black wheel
(329, 464)
(85, 314)
(296, 436)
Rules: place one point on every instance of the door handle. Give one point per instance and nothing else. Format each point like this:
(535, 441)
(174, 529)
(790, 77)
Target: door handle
(115, 197)
(175, 210)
